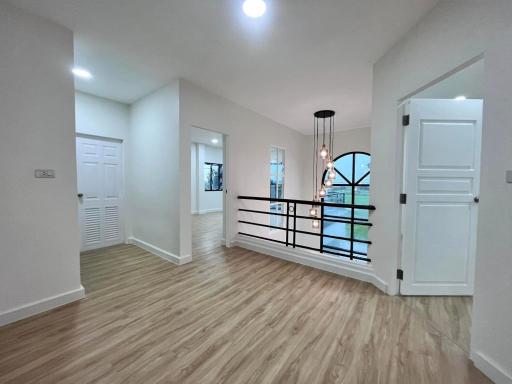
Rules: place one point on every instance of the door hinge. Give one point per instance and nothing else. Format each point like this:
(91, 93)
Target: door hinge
(403, 198)
(405, 120)
(399, 274)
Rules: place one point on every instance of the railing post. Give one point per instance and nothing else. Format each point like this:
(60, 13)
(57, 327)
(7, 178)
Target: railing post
(287, 221)
(352, 234)
(322, 228)
(294, 222)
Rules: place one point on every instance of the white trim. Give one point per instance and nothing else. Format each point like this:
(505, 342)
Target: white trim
(205, 211)
(175, 259)
(490, 369)
(40, 306)
(313, 259)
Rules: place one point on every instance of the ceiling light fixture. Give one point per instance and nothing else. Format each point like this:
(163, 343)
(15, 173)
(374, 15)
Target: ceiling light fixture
(254, 8)
(82, 73)
(215, 141)
(461, 97)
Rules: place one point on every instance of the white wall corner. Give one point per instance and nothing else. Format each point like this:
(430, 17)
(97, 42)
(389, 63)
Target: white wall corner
(319, 261)
(41, 306)
(175, 259)
(492, 370)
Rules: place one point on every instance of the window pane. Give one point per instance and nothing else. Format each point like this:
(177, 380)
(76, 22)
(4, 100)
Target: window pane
(276, 221)
(207, 172)
(338, 195)
(362, 166)
(344, 166)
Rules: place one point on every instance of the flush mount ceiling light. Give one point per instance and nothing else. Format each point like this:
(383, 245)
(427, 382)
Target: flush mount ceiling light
(215, 141)
(254, 8)
(461, 97)
(82, 73)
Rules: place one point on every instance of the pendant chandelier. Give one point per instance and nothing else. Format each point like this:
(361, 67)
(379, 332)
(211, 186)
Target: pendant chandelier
(323, 143)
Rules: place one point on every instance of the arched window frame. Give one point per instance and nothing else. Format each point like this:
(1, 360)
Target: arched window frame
(350, 183)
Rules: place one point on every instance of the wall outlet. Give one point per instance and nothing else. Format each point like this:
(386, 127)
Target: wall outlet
(509, 177)
(44, 173)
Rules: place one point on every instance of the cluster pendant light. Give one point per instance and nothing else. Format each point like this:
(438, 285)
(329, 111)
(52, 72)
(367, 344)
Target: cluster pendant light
(323, 142)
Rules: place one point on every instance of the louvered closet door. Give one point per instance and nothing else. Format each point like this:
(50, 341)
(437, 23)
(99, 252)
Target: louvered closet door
(100, 185)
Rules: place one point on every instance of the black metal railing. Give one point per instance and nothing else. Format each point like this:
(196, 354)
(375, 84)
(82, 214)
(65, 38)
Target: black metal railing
(291, 217)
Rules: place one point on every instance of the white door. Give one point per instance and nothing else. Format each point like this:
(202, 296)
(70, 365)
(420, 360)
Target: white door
(441, 180)
(100, 191)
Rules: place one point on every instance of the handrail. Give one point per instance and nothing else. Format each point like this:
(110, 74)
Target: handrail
(307, 202)
(291, 213)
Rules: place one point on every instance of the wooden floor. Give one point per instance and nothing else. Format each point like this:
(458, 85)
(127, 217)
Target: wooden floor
(451, 315)
(230, 316)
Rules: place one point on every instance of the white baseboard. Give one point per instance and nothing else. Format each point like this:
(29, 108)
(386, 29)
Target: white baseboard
(312, 259)
(40, 306)
(179, 260)
(490, 369)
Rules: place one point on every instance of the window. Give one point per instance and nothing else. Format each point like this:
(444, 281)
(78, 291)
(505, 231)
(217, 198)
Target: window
(351, 186)
(277, 185)
(213, 177)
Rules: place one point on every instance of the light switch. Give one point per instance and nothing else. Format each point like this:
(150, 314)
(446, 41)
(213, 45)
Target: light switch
(509, 177)
(44, 173)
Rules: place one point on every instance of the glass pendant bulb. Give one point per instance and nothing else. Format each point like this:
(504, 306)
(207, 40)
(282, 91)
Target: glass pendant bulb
(331, 175)
(313, 212)
(330, 164)
(322, 192)
(323, 152)
(315, 224)
(328, 183)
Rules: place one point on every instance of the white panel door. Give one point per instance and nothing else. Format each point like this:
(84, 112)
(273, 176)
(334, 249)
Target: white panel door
(441, 180)
(100, 191)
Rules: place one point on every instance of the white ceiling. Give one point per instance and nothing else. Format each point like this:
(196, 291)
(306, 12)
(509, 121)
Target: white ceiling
(204, 136)
(301, 56)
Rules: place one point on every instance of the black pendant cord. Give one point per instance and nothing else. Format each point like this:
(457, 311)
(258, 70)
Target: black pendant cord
(332, 150)
(314, 156)
(330, 137)
(324, 132)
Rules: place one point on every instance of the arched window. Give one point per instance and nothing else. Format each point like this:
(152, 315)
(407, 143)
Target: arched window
(351, 186)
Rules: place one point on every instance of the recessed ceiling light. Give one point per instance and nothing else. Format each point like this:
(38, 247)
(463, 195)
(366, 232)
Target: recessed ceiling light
(461, 97)
(82, 73)
(215, 141)
(254, 8)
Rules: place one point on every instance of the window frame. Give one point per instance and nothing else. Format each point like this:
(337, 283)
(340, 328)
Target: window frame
(274, 220)
(220, 170)
(352, 184)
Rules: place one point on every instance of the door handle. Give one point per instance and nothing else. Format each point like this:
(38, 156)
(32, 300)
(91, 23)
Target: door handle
(80, 195)
(476, 199)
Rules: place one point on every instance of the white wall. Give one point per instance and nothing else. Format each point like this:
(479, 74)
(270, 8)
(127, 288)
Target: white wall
(206, 201)
(39, 237)
(101, 117)
(153, 172)
(453, 33)
(250, 137)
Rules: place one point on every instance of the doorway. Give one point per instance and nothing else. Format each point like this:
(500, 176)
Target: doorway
(100, 192)
(442, 127)
(207, 157)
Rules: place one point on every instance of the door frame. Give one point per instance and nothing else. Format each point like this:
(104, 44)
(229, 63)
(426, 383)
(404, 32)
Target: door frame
(123, 215)
(225, 180)
(402, 109)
